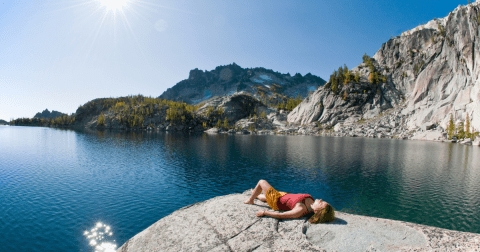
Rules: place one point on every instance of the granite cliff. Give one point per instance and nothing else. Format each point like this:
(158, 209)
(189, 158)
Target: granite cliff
(226, 80)
(431, 72)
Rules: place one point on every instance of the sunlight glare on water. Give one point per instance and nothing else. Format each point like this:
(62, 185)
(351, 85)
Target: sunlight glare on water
(98, 237)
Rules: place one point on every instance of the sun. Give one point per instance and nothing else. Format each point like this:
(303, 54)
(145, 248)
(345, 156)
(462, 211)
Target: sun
(114, 4)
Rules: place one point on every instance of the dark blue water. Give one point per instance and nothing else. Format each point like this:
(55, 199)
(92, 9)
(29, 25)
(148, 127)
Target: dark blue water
(57, 184)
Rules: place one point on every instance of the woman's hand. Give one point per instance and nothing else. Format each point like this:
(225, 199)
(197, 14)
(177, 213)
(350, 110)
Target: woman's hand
(260, 213)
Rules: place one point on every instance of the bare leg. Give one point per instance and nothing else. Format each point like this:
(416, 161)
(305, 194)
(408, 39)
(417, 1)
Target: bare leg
(262, 185)
(262, 197)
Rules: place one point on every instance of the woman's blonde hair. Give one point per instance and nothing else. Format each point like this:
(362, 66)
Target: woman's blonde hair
(326, 214)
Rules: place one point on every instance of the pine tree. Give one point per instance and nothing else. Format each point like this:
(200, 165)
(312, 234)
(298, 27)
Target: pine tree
(357, 77)
(371, 78)
(451, 128)
(340, 75)
(461, 130)
(365, 58)
(225, 123)
(101, 120)
(467, 132)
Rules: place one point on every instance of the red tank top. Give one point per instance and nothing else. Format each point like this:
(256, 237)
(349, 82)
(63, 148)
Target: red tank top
(288, 201)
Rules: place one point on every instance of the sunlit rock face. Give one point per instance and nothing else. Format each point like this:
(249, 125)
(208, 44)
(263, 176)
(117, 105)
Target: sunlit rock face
(354, 102)
(226, 80)
(435, 67)
(235, 107)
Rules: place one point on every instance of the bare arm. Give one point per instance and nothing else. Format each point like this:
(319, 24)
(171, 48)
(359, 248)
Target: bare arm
(296, 212)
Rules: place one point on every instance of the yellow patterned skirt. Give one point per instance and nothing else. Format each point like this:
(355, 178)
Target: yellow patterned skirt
(272, 196)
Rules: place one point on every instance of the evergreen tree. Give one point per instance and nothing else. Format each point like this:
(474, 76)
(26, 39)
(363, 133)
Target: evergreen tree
(451, 128)
(335, 86)
(347, 74)
(467, 132)
(101, 120)
(357, 77)
(340, 75)
(225, 123)
(461, 130)
(365, 58)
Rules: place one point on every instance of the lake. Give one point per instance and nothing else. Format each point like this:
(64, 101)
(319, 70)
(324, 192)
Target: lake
(57, 185)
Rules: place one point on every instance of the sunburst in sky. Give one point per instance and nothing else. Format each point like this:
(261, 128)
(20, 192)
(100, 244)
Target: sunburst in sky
(114, 5)
(60, 54)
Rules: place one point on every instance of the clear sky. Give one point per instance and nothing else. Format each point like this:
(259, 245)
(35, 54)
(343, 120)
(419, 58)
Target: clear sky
(60, 54)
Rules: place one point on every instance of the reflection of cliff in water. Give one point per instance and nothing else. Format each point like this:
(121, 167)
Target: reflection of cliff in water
(405, 180)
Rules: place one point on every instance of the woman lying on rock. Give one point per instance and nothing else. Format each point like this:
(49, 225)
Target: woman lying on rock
(294, 205)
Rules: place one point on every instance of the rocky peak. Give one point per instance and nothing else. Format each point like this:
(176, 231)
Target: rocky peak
(227, 80)
(434, 66)
(196, 74)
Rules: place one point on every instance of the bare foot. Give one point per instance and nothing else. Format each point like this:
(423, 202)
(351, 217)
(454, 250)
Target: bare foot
(248, 202)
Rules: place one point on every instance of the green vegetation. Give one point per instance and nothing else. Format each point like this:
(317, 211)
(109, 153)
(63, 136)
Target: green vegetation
(101, 120)
(357, 77)
(375, 76)
(61, 121)
(441, 29)
(290, 104)
(460, 132)
(451, 128)
(342, 76)
(130, 111)
(417, 68)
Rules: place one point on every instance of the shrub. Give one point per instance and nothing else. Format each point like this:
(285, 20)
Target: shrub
(100, 121)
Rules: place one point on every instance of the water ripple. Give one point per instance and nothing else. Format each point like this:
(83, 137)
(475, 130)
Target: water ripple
(57, 184)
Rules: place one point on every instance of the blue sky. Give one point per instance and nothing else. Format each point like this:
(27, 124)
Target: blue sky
(62, 54)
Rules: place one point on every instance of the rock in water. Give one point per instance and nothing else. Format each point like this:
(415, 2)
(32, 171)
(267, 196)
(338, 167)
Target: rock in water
(476, 142)
(226, 224)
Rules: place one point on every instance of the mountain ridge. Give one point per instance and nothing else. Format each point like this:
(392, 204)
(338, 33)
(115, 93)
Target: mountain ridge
(229, 79)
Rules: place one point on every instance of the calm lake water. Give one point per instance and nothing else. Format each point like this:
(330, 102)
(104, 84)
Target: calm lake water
(57, 184)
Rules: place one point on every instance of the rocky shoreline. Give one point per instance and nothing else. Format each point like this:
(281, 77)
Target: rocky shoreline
(391, 124)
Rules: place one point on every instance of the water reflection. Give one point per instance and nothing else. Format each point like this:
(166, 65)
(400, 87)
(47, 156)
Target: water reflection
(98, 238)
(55, 178)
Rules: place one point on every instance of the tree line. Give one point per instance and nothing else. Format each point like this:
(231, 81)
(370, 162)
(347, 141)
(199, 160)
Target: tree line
(461, 131)
(343, 75)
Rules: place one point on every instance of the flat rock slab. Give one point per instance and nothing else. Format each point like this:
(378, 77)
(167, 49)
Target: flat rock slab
(226, 224)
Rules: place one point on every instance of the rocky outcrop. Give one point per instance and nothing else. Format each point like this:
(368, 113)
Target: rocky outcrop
(359, 100)
(46, 114)
(229, 79)
(441, 60)
(235, 107)
(226, 224)
(432, 70)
